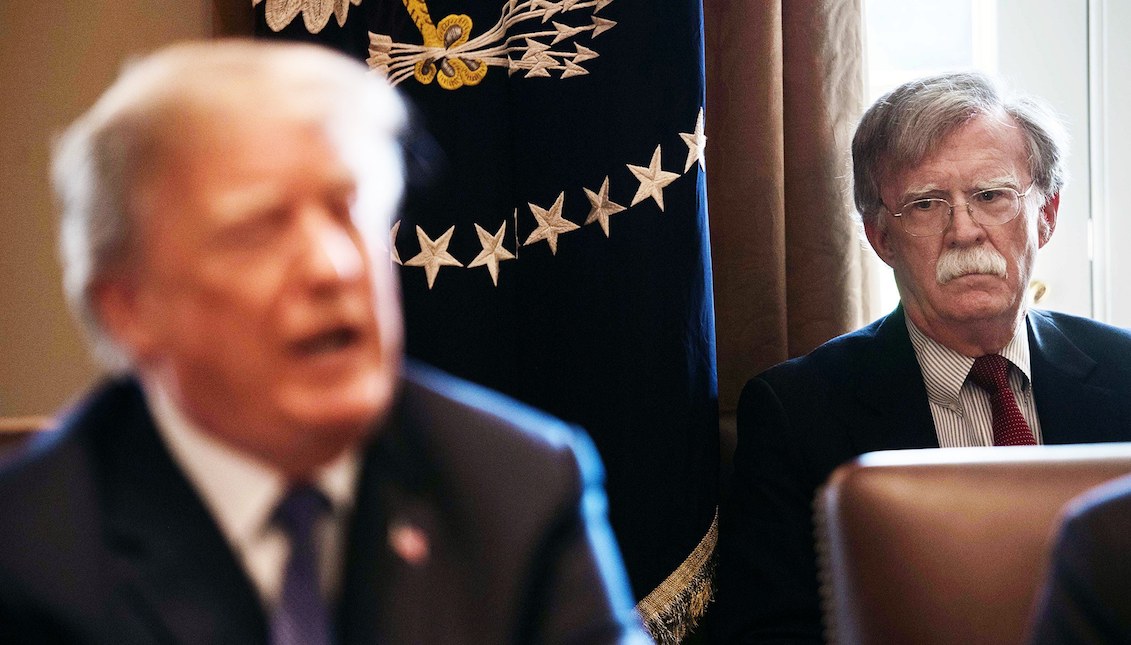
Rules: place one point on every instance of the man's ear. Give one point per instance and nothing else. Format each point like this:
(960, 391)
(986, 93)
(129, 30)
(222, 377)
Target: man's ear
(119, 308)
(878, 236)
(1046, 220)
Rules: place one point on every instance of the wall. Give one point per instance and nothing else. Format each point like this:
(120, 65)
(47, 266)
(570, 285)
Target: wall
(55, 58)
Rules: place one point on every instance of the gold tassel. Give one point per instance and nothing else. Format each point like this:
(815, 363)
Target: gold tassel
(674, 608)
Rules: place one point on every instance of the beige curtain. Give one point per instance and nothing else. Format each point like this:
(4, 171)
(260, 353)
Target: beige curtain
(231, 18)
(784, 91)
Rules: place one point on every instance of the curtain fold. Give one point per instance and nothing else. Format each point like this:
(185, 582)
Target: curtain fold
(784, 90)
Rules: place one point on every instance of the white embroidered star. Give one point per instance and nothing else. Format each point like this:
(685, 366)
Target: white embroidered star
(653, 179)
(493, 251)
(551, 224)
(396, 257)
(696, 144)
(602, 206)
(433, 254)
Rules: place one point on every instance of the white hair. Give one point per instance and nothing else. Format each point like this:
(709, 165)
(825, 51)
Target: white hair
(907, 124)
(102, 158)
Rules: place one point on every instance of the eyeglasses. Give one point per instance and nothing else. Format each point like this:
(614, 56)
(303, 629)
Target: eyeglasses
(989, 207)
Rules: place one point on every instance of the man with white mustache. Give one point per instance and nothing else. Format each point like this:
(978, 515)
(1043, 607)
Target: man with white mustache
(958, 187)
(979, 260)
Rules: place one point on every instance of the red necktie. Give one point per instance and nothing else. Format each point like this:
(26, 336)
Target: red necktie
(990, 373)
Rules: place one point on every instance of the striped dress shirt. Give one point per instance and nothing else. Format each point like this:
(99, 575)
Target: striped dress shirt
(961, 410)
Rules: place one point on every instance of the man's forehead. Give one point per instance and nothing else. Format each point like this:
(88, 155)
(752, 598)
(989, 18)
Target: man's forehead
(983, 152)
(234, 165)
(243, 197)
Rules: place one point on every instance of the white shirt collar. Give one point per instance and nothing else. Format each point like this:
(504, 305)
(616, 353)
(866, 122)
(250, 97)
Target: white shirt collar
(949, 368)
(241, 492)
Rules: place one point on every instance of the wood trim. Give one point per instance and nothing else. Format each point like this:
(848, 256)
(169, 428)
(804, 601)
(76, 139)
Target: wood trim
(232, 18)
(21, 425)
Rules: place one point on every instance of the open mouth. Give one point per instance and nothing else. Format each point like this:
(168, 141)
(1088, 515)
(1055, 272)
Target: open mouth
(329, 341)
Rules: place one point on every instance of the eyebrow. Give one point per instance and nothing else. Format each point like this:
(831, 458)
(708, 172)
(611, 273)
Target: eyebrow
(915, 193)
(919, 192)
(234, 204)
(1006, 181)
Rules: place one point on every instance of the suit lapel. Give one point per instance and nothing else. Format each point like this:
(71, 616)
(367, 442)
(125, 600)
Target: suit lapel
(405, 575)
(364, 590)
(391, 570)
(1071, 411)
(390, 558)
(885, 406)
(172, 566)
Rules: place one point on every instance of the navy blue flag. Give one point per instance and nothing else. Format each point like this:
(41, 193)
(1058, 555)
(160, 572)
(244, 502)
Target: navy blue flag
(559, 250)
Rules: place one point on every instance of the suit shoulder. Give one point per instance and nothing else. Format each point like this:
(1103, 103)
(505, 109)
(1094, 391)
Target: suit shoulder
(64, 452)
(38, 477)
(1099, 521)
(831, 362)
(1090, 335)
(50, 508)
(481, 423)
(37, 468)
(1107, 502)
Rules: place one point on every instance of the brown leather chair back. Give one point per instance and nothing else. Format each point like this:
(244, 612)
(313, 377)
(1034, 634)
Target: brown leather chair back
(15, 432)
(947, 545)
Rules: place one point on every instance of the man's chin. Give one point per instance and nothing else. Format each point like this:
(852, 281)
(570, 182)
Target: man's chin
(979, 305)
(344, 409)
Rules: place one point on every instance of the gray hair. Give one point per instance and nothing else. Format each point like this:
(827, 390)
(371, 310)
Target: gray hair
(104, 156)
(906, 125)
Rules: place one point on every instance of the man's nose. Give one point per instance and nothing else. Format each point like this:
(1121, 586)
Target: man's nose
(964, 229)
(330, 252)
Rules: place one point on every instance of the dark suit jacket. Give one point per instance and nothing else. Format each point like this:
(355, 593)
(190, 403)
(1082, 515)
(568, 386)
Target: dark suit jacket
(858, 393)
(1088, 595)
(103, 540)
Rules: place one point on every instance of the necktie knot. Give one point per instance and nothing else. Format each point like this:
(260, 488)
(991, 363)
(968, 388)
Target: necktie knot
(991, 373)
(299, 511)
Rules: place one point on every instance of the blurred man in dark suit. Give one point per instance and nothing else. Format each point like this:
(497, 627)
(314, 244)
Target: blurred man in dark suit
(958, 187)
(263, 467)
(1087, 598)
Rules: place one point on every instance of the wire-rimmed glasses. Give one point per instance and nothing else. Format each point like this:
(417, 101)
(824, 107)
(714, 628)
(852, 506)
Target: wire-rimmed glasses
(989, 207)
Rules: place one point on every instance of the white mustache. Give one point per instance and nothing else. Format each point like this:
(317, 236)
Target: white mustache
(956, 263)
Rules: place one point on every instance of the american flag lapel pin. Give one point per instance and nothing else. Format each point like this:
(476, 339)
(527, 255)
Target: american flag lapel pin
(409, 542)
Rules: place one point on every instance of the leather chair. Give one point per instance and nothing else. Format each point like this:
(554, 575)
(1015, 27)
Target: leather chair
(947, 545)
(16, 431)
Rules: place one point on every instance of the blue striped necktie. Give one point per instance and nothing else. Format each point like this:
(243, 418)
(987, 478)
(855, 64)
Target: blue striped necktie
(302, 616)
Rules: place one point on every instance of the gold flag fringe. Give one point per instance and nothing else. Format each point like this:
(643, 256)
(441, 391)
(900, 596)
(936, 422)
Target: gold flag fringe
(674, 608)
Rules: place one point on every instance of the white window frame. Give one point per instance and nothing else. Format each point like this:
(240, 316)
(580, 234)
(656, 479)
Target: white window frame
(1109, 89)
